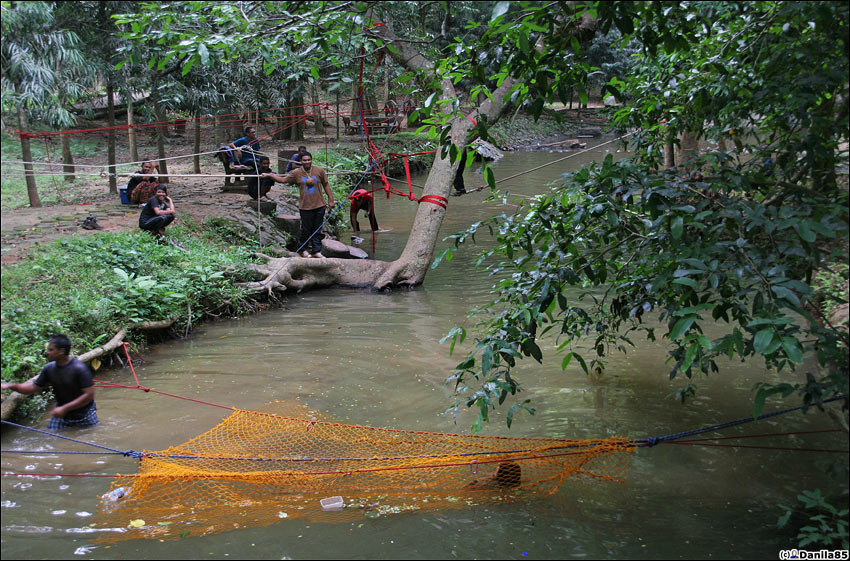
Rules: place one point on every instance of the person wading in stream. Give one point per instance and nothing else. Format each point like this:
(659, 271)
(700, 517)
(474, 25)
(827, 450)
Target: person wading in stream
(73, 386)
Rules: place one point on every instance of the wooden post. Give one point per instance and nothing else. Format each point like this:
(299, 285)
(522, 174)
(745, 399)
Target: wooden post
(159, 115)
(67, 158)
(131, 131)
(197, 158)
(110, 150)
(282, 160)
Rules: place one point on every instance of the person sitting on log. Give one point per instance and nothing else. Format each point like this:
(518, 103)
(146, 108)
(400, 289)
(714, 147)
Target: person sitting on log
(142, 187)
(258, 187)
(157, 213)
(361, 199)
(247, 148)
(295, 159)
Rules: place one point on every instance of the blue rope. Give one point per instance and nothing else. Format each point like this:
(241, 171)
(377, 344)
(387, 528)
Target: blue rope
(52, 452)
(653, 440)
(131, 453)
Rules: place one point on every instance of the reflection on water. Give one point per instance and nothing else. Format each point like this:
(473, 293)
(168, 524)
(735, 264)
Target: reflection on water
(374, 359)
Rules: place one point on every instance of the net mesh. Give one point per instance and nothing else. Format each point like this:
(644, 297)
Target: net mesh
(256, 468)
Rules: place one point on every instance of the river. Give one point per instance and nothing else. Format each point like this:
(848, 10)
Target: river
(375, 359)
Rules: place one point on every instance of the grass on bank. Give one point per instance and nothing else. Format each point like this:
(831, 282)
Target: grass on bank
(91, 286)
(51, 190)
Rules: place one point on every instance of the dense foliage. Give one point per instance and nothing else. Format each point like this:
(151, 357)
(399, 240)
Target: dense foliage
(731, 236)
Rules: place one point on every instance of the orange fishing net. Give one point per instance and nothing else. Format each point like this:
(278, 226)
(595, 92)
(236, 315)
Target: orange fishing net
(257, 468)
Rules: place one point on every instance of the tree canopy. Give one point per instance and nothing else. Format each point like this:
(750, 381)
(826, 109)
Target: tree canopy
(732, 236)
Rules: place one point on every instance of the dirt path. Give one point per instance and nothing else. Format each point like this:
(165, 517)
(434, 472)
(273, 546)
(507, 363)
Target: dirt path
(200, 198)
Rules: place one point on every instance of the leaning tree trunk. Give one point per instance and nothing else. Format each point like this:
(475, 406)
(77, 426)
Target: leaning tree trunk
(26, 153)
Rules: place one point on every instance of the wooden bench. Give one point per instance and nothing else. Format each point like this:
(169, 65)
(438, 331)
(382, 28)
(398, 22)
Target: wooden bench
(377, 125)
(231, 169)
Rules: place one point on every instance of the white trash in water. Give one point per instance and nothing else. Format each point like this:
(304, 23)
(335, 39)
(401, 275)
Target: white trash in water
(332, 503)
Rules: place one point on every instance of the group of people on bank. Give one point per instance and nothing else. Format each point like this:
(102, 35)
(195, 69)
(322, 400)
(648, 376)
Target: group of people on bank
(312, 182)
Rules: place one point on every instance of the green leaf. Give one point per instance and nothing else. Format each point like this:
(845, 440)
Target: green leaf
(763, 339)
(681, 327)
(792, 349)
(676, 227)
(786, 293)
(581, 361)
(490, 177)
(445, 254)
(805, 232)
(687, 282)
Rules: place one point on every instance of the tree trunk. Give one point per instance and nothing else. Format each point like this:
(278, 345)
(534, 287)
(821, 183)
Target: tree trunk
(237, 126)
(131, 132)
(197, 157)
(67, 158)
(220, 132)
(26, 153)
(110, 148)
(688, 148)
(669, 155)
(159, 115)
(297, 118)
(318, 116)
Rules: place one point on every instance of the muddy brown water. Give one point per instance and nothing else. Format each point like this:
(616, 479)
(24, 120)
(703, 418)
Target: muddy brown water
(375, 359)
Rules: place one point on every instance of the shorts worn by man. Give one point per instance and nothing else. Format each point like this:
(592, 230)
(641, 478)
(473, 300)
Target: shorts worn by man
(311, 202)
(72, 383)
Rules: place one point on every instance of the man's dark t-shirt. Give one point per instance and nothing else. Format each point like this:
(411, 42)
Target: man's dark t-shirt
(147, 210)
(68, 383)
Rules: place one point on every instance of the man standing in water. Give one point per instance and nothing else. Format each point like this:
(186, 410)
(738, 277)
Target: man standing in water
(311, 202)
(73, 386)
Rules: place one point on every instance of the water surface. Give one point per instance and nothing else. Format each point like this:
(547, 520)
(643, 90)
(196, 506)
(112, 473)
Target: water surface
(374, 359)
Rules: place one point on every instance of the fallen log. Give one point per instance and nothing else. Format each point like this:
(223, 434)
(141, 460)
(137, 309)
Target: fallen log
(10, 403)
